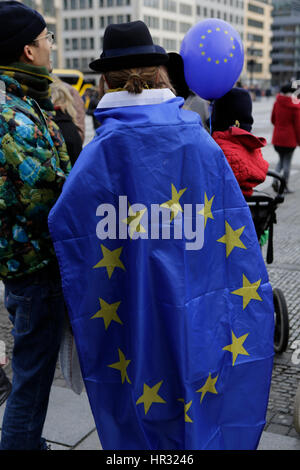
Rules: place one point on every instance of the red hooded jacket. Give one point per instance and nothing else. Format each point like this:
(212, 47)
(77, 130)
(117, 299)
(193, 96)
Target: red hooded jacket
(243, 153)
(286, 120)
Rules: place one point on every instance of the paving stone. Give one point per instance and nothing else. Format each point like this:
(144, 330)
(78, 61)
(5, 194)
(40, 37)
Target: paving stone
(278, 429)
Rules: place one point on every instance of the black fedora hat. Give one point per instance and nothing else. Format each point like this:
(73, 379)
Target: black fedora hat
(128, 45)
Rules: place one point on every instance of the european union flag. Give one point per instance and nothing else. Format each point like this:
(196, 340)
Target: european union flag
(174, 333)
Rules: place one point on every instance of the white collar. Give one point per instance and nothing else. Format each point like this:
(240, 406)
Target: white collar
(118, 99)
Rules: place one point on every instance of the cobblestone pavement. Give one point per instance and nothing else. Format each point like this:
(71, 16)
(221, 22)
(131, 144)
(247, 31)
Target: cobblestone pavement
(284, 273)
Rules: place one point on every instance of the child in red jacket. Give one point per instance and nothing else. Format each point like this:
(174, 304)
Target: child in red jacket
(231, 129)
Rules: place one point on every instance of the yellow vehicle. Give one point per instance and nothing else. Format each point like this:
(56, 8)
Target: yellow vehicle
(74, 78)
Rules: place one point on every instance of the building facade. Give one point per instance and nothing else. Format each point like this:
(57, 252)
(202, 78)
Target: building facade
(231, 11)
(257, 42)
(285, 42)
(51, 11)
(84, 22)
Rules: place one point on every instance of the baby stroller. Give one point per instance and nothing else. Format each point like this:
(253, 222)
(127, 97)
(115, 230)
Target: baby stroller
(263, 209)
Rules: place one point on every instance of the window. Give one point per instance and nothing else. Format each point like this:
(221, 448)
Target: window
(74, 44)
(255, 23)
(102, 21)
(253, 66)
(82, 4)
(169, 5)
(184, 27)
(255, 37)
(185, 9)
(48, 7)
(84, 64)
(255, 9)
(82, 23)
(66, 24)
(91, 22)
(83, 44)
(67, 44)
(73, 23)
(152, 21)
(120, 19)
(170, 44)
(169, 25)
(151, 3)
(255, 52)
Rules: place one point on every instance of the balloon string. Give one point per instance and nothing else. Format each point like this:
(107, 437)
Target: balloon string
(211, 105)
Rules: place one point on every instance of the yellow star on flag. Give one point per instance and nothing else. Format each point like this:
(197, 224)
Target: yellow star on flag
(122, 366)
(108, 312)
(110, 260)
(174, 204)
(206, 211)
(248, 291)
(134, 221)
(150, 395)
(232, 238)
(187, 406)
(209, 386)
(236, 347)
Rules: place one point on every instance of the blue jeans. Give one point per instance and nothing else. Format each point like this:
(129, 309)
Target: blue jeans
(36, 309)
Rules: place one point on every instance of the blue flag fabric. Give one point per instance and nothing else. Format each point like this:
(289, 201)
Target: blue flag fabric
(175, 344)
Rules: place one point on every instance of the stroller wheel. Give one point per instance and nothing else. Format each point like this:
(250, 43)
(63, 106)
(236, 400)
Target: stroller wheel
(281, 333)
(297, 411)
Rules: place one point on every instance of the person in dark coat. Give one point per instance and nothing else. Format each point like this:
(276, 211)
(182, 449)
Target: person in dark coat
(65, 118)
(94, 100)
(231, 129)
(286, 134)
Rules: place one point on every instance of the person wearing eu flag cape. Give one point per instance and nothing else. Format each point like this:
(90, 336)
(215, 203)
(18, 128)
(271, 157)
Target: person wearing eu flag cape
(166, 288)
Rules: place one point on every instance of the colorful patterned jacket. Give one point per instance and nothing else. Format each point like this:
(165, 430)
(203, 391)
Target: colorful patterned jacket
(33, 167)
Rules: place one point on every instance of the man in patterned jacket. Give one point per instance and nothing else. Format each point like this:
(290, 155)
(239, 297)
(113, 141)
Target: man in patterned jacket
(33, 167)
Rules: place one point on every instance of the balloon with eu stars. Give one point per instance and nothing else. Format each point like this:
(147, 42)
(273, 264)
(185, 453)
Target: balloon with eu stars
(213, 56)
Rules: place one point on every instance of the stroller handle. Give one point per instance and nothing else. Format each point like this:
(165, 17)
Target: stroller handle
(281, 179)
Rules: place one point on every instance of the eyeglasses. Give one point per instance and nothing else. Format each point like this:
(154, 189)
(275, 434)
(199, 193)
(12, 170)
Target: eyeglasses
(49, 36)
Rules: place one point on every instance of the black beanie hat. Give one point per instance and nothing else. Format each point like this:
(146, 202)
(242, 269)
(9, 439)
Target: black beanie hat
(235, 106)
(19, 25)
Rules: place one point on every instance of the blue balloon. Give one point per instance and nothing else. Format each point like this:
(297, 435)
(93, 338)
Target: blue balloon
(213, 57)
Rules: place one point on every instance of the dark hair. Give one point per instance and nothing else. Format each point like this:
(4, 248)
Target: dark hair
(287, 88)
